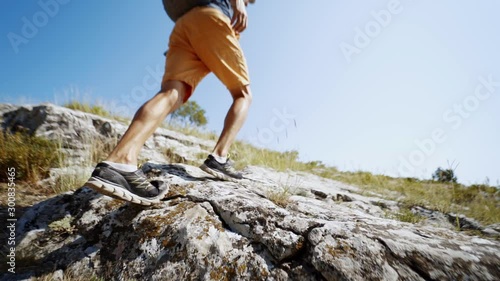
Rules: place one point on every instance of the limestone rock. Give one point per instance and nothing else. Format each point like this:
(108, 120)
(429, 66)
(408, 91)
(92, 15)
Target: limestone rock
(211, 230)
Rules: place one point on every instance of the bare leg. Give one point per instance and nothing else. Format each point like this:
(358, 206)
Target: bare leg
(146, 120)
(235, 118)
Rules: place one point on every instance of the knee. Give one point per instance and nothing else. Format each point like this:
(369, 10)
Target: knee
(244, 93)
(176, 90)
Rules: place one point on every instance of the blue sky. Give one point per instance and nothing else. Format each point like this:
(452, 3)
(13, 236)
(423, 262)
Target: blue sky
(392, 87)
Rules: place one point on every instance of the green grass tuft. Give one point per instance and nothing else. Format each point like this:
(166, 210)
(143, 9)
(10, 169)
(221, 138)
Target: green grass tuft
(406, 215)
(88, 108)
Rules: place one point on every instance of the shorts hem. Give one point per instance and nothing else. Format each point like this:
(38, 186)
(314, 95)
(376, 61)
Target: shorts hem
(192, 85)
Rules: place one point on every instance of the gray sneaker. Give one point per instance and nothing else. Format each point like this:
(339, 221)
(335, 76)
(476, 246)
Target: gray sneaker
(133, 187)
(223, 171)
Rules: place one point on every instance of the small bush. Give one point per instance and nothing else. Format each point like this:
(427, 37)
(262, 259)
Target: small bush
(31, 156)
(444, 175)
(191, 114)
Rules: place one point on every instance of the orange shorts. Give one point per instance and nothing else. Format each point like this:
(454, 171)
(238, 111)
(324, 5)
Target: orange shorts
(204, 41)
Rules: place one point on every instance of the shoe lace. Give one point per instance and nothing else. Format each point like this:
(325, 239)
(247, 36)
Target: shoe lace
(140, 181)
(229, 165)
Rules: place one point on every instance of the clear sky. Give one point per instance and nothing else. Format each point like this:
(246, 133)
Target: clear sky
(392, 87)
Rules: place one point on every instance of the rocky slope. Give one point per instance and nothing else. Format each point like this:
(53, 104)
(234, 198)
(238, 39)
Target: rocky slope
(211, 230)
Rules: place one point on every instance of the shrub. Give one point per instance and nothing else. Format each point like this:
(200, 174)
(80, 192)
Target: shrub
(444, 175)
(190, 113)
(31, 156)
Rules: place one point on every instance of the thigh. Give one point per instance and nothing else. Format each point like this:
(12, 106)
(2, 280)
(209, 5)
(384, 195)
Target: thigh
(216, 44)
(182, 62)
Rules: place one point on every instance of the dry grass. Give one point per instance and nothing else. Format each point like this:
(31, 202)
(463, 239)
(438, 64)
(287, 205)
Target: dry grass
(99, 150)
(95, 109)
(281, 194)
(481, 202)
(31, 156)
(88, 108)
(279, 197)
(69, 182)
(246, 154)
(406, 215)
(190, 130)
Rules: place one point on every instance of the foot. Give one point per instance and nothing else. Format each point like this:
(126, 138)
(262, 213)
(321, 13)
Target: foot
(133, 187)
(223, 171)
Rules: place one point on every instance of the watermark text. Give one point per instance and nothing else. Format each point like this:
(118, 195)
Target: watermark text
(11, 220)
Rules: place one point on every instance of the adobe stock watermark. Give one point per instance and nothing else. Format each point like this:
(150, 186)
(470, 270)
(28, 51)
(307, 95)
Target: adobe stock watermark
(278, 124)
(31, 26)
(454, 117)
(11, 219)
(151, 81)
(363, 36)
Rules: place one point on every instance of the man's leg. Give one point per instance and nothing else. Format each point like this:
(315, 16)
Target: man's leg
(146, 121)
(235, 118)
(216, 44)
(118, 176)
(216, 164)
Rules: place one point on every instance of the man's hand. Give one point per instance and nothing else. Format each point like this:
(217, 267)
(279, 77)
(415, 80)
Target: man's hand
(240, 17)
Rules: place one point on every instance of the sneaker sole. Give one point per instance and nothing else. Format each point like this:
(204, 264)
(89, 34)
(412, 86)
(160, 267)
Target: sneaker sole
(217, 174)
(123, 194)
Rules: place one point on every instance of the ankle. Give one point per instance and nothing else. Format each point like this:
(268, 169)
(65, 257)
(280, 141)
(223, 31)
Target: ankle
(219, 159)
(122, 167)
(126, 160)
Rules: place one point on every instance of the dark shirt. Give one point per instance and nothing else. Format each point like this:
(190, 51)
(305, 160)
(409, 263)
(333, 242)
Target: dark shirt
(224, 6)
(177, 8)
